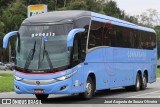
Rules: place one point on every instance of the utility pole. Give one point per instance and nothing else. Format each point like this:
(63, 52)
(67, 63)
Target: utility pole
(64, 3)
(55, 4)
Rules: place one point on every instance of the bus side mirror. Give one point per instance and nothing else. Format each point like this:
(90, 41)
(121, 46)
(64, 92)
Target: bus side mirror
(6, 38)
(71, 36)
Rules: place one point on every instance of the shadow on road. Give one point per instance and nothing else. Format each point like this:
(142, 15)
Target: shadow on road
(99, 97)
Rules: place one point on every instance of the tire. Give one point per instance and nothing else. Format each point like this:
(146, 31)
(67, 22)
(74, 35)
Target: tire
(144, 82)
(41, 96)
(90, 89)
(137, 85)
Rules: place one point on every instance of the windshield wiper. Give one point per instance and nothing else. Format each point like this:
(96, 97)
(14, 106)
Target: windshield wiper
(30, 57)
(45, 52)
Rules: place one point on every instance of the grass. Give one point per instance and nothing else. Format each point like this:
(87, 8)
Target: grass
(7, 85)
(6, 82)
(158, 72)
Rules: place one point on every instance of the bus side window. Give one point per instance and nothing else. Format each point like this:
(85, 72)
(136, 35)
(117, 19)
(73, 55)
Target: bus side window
(75, 51)
(83, 42)
(75, 56)
(79, 48)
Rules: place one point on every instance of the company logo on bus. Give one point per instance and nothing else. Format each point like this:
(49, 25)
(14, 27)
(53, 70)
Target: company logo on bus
(42, 34)
(37, 82)
(132, 54)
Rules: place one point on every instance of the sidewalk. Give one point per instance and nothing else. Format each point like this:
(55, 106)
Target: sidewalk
(7, 71)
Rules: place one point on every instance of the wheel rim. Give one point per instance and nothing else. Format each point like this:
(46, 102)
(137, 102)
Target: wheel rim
(138, 83)
(144, 81)
(88, 88)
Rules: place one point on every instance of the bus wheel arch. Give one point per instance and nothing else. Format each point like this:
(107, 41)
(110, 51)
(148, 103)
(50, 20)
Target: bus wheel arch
(144, 80)
(93, 77)
(90, 87)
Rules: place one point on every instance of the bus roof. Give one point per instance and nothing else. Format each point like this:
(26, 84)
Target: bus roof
(116, 21)
(58, 16)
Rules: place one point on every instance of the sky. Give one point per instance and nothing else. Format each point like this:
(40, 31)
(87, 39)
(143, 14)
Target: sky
(136, 7)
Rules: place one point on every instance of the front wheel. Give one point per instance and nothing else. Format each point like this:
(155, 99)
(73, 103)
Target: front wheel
(41, 96)
(90, 89)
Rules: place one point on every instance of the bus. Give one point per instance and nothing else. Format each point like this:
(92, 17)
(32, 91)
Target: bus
(80, 52)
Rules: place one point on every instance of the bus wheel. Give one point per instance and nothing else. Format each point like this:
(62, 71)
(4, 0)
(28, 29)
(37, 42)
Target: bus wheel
(41, 96)
(144, 82)
(90, 89)
(137, 86)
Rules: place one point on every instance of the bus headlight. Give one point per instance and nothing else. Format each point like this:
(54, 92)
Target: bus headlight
(61, 78)
(18, 78)
(66, 76)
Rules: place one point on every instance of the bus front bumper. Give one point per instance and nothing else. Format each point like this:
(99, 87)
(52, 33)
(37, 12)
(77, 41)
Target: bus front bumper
(59, 87)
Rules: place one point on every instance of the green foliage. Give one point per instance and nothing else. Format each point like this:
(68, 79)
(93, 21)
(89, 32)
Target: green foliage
(4, 3)
(92, 5)
(111, 9)
(1, 29)
(77, 5)
(34, 2)
(158, 72)
(158, 41)
(131, 19)
(12, 16)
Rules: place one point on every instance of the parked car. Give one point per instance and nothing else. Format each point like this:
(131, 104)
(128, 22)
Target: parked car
(3, 66)
(10, 66)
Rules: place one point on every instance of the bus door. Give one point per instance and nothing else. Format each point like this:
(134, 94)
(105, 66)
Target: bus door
(76, 65)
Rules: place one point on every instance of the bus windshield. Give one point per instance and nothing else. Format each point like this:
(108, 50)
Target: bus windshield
(42, 47)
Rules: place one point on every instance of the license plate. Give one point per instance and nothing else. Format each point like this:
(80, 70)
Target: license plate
(38, 91)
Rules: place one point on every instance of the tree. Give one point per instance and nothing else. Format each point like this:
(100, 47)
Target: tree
(149, 18)
(111, 9)
(158, 40)
(131, 19)
(11, 19)
(90, 5)
(77, 5)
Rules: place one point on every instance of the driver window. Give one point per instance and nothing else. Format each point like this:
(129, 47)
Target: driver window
(75, 51)
(79, 48)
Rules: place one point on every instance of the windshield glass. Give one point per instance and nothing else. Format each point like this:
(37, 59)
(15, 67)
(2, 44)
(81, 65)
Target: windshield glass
(49, 44)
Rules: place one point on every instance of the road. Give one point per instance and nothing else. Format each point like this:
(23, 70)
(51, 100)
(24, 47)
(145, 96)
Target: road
(152, 91)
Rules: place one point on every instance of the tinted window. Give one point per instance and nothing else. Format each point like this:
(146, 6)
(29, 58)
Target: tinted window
(96, 34)
(106, 34)
(148, 40)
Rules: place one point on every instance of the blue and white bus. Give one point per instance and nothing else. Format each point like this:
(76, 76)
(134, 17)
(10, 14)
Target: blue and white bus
(80, 52)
